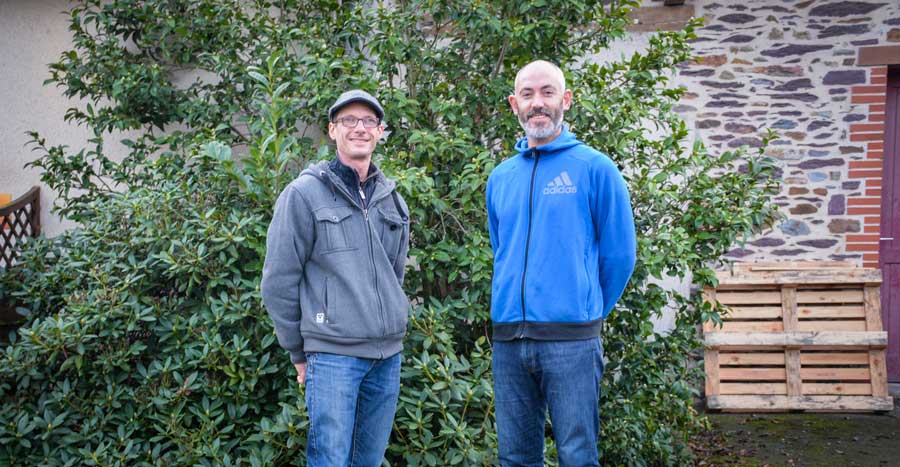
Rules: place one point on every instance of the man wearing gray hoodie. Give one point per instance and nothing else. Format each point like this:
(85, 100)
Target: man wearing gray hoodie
(332, 284)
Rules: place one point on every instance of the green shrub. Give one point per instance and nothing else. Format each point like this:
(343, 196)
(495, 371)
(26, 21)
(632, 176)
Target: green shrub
(146, 342)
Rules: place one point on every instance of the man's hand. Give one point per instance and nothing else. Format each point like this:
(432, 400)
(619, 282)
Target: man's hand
(301, 372)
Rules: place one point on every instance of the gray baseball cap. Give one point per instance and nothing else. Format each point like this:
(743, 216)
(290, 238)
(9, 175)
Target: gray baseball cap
(355, 95)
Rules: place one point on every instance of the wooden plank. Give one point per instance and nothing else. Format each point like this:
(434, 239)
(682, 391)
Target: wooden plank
(753, 388)
(833, 311)
(709, 296)
(746, 287)
(812, 268)
(752, 374)
(757, 312)
(768, 297)
(830, 296)
(789, 309)
(792, 367)
(752, 326)
(823, 403)
(768, 286)
(878, 367)
(754, 348)
(823, 276)
(779, 348)
(842, 325)
(849, 389)
(744, 358)
(791, 265)
(872, 306)
(801, 339)
(834, 358)
(834, 374)
(711, 365)
(813, 272)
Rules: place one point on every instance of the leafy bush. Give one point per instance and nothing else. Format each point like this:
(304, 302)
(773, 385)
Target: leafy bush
(146, 342)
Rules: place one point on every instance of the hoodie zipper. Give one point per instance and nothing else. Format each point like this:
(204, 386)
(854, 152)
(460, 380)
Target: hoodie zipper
(537, 157)
(365, 203)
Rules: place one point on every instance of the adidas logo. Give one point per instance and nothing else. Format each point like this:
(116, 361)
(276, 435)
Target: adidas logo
(560, 185)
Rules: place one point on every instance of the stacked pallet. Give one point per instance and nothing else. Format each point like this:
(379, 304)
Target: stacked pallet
(797, 336)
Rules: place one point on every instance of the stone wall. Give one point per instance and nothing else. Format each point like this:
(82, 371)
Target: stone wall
(792, 67)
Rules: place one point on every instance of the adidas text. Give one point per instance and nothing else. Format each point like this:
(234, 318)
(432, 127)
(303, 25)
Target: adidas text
(560, 185)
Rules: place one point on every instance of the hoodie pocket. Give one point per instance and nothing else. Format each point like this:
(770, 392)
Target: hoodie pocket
(391, 232)
(334, 223)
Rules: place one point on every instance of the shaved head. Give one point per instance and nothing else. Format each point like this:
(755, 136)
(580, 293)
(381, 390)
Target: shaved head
(541, 66)
(540, 100)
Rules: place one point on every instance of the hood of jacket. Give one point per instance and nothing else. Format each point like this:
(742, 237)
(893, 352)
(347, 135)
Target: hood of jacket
(322, 171)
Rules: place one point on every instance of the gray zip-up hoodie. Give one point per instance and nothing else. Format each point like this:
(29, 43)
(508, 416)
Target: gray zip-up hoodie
(334, 269)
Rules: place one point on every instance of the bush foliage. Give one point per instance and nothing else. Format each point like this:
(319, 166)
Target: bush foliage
(145, 341)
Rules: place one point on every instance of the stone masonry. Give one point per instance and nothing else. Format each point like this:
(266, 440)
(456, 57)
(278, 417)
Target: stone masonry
(791, 66)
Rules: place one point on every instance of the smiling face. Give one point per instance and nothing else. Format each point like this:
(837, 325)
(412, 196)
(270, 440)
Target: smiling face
(357, 143)
(540, 100)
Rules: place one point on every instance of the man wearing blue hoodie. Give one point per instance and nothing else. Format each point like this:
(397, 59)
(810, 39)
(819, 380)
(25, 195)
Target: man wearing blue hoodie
(562, 231)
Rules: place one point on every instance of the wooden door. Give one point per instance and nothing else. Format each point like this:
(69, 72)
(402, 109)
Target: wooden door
(889, 249)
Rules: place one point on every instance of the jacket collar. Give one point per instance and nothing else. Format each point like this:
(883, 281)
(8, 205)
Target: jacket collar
(323, 172)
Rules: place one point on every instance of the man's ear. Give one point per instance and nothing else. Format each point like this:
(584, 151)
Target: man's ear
(332, 130)
(567, 99)
(513, 104)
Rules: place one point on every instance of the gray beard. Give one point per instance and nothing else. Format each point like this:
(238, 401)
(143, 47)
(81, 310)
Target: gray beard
(542, 132)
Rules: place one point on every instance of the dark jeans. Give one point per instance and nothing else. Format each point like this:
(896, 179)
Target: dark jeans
(351, 403)
(531, 377)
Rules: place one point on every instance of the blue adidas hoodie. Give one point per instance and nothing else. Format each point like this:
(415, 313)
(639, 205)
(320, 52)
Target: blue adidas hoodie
(562, 231)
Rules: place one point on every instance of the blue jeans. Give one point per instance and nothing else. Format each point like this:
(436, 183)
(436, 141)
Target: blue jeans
(351, 403)
(532, 376)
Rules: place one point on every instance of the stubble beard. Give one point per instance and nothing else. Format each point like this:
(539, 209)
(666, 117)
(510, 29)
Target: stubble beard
(356, 154)
(360, 156)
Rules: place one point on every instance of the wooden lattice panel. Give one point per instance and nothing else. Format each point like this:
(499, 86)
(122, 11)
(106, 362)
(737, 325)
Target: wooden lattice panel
(19, 220)
(798, 336)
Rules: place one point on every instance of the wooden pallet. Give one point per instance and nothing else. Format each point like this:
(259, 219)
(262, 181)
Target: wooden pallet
(797, 336)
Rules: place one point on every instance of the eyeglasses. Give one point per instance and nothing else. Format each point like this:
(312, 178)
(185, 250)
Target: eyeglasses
(350, 121)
